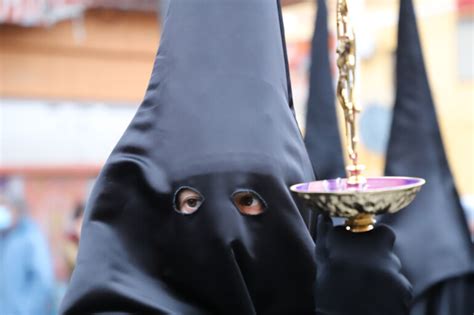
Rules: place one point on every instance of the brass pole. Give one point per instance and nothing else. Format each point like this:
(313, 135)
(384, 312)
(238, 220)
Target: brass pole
(346, 63)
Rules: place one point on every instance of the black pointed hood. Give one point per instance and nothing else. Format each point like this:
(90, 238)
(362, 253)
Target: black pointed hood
(216, 119)
(322, 132)
(433, 241)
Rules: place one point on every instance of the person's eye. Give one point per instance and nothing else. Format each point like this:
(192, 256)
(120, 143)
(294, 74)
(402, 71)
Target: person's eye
(248, 202)
(188, 200)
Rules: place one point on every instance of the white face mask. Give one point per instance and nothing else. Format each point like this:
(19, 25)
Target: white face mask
(6, 217)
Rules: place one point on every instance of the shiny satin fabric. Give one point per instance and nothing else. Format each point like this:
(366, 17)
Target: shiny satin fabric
(451, 296)
(433, 240)
(216, 118)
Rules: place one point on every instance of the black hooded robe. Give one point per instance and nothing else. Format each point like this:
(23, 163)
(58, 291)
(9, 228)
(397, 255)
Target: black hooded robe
(216, 119)
(433, 240)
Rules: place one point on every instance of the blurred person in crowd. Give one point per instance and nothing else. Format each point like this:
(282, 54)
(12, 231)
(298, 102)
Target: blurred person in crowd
(69, 249)
(26, 277)
(72, 236)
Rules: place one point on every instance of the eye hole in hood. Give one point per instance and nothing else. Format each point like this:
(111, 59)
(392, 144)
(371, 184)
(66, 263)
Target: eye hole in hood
(249, 202)
(187, 200)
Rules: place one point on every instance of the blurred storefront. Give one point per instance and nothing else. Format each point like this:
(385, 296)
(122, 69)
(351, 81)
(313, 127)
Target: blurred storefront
(71, 76)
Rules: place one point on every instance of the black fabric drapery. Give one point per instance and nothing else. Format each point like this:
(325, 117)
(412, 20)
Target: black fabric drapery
(433, 240)
(322, 137)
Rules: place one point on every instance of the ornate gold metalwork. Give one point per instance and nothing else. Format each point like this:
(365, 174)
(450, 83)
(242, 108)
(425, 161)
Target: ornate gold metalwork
(358, 199)
(362, 222)
(359, 206)
(346, 62)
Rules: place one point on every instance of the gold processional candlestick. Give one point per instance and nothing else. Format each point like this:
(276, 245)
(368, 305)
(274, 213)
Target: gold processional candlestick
(355, 198)
(346, 63)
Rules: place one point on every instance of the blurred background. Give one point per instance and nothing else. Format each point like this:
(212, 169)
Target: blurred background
(72, 73)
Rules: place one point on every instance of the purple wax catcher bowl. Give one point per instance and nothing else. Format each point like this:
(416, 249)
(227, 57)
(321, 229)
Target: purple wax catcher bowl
(377, 196)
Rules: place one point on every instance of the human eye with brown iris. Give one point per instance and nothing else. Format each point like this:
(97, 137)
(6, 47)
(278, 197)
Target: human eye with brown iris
(188, 200)
(248, 202)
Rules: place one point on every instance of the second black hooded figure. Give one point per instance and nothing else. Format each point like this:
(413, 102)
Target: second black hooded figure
(192, 214)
